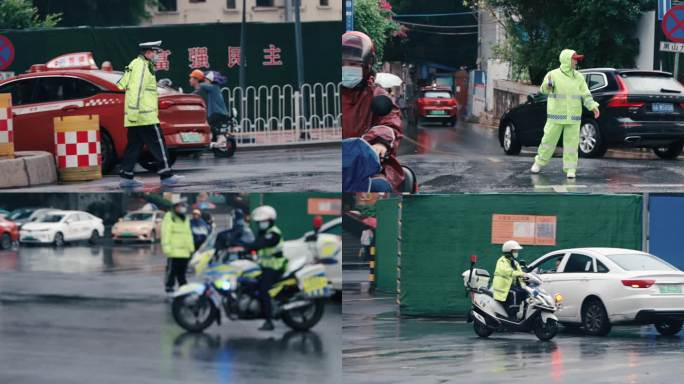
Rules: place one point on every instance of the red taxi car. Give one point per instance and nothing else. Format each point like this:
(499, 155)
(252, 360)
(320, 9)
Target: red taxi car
(72, 85)
(9, 233)
(437, 104)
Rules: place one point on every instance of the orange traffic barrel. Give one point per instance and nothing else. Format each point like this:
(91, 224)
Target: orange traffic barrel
(77, 148)
(6, 125)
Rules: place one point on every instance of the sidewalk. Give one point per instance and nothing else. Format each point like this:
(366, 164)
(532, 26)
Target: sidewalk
(37, 286)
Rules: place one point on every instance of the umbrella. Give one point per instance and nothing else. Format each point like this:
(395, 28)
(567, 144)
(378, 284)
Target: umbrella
(388, 80)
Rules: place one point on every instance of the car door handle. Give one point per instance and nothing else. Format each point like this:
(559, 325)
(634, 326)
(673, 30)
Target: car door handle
(69, 108)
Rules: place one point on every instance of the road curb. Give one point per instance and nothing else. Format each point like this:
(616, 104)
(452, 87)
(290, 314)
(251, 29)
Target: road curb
(56, 298)
(27, 168)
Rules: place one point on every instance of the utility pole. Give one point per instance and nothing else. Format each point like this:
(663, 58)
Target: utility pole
(243, 47)
(300, 57)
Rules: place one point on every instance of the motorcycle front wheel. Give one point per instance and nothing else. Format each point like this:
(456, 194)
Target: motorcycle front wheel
(304, 318)
(193, 313)
(545, 331)
(481, 329)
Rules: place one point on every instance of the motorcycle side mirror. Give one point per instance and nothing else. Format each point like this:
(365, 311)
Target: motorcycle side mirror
(381, 105)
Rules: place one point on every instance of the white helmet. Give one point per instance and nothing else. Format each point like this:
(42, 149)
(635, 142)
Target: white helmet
(263, 213)
(510, 246)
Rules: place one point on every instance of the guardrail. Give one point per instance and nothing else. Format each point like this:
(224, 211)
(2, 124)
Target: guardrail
(277, 115)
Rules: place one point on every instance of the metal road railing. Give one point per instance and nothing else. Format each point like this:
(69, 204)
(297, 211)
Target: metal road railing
(276, 115)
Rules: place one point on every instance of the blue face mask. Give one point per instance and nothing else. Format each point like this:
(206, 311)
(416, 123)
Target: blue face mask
(351, 76)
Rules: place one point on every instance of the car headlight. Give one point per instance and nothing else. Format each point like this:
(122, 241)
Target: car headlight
(558, 297)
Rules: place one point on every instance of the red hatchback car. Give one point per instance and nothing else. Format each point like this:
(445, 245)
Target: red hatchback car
(437, 104)
(64, 88)
(9, 233)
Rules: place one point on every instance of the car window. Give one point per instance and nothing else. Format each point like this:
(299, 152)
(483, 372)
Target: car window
(334, 230)
(601, 268)
(640, 262)
(83, 216)
(21, 91)
(139, 216)
(595, 81)
(550, 264)
(437, 94)
(579, 263)
(63, 88)
(652, 84)
(51, 218)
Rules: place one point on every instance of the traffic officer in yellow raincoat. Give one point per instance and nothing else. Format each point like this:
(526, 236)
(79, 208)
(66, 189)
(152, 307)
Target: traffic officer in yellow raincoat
(508, 277)
(567, 91)
(269, 246)
(141, 118)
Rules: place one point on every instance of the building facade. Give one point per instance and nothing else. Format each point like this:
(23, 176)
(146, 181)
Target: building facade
(227, 11)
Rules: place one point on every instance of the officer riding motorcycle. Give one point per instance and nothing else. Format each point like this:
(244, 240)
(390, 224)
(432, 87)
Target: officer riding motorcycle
(508, 285)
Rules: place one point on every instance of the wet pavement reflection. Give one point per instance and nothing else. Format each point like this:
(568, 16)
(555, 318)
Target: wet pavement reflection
(378, 347)
(468, 157)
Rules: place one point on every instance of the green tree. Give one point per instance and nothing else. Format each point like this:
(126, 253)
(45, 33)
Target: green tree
(98, 12)
(375, 21)
(19, 14)
(537, 30)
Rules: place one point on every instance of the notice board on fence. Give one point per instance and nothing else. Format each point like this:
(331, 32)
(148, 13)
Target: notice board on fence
(525, 229)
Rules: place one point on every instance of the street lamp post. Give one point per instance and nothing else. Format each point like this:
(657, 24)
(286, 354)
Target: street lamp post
(300, 58)
(243, 50)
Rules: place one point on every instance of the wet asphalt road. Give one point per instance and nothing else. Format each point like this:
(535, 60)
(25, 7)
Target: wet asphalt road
(98, 314)
(296, 169)
(379, 348)
(468, 158)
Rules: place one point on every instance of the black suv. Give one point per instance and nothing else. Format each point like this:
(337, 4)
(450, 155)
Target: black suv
(638, 109)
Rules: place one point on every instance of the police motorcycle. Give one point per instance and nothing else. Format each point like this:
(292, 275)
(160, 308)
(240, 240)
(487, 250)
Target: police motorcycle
(360, 162)
(230, 286)
(535, 313)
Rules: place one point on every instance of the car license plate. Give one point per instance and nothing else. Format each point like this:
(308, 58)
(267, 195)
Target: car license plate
(29, 238)
(670, 288)
(438, 112)
(190, 137)
(662, 107)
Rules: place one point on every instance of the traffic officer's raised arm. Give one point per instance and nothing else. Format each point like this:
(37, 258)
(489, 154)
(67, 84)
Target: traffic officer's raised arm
(546, 85)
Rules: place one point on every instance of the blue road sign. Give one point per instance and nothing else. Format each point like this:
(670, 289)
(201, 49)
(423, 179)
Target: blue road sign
(349, 12)
(663, 7)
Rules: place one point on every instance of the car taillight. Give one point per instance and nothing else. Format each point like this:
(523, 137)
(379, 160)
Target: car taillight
(620, 98)
(163, 104)
(638, 283)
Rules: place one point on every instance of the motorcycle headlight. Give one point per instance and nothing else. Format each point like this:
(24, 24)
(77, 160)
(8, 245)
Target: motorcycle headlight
(225, 285)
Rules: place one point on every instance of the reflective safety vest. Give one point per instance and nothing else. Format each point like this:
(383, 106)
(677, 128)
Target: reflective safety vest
(504, 276)
(568, 94)
(272, 257)
(140, 85)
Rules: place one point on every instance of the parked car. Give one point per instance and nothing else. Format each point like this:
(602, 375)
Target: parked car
(326, 247)
(27, 215)
(59, 89)
(9, 233)
(638, 109)
(602, 287)
(138, 225)
(437, 104)
(59, 227)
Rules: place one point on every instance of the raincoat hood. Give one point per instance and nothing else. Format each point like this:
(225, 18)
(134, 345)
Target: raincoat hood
(565, 59)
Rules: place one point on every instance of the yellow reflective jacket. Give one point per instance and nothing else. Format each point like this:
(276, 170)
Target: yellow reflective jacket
(568, 94)
(140, 85)
(504, 276)
(272, 257)
(176, 236)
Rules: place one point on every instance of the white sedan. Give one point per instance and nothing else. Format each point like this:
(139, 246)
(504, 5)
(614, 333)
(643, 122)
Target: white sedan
(58, 227)
(327, 248)
(606, 286)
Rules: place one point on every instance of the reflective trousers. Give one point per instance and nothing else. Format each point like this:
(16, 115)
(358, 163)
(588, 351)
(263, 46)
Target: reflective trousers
(552, 132)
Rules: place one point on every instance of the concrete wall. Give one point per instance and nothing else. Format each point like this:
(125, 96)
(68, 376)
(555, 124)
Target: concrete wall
(508, 94)
(217, 11)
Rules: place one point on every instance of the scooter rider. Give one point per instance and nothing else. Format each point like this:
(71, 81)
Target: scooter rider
(211, 93)
(508, 278)
(383, 133)
(269, 246)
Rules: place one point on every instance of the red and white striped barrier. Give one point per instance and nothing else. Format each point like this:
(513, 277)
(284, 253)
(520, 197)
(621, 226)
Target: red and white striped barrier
(6, 125)
(77, 148)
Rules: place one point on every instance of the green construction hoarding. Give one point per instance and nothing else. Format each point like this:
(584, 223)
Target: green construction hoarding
(296, 210)
(271, 55)
(386, 245)
(439, 233)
